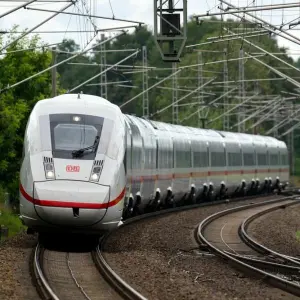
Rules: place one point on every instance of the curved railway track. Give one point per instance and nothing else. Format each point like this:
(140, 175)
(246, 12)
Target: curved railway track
(86, 275)
(251, 242)
(78, 275)
(224, 234)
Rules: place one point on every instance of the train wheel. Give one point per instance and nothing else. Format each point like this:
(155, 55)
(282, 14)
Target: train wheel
(211, 196)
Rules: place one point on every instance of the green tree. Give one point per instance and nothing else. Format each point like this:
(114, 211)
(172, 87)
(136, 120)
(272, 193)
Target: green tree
(16, 103)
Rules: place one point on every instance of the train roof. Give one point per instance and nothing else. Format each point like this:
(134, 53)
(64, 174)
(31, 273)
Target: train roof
(224, 136)
(76, 103)
(90, 104)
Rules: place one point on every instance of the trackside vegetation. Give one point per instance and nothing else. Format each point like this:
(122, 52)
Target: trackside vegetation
(9, 219)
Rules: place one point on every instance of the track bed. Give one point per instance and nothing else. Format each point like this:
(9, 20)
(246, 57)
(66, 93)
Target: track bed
(160, 259)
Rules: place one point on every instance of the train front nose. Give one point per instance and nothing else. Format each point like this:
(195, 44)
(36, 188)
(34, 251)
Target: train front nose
(70, 203)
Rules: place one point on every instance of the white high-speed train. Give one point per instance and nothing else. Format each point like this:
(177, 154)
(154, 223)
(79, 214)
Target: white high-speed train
(85, 165)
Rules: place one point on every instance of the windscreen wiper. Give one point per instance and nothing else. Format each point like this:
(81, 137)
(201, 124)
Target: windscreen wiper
(80, 152)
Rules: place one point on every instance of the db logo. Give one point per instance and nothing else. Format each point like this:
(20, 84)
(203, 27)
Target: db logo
(70, 168)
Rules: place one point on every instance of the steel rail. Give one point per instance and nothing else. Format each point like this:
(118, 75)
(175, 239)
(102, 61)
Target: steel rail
(238, 263)
(43, 285)
(264, 264)
(123, 288)
(256, 245)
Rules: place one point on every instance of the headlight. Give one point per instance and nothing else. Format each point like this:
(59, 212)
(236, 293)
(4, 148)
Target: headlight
(96, 171)
(50, 174)
(95, 177)
(49, 168)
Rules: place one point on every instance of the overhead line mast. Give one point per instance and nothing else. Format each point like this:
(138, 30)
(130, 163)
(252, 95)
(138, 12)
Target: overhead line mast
(168, 30)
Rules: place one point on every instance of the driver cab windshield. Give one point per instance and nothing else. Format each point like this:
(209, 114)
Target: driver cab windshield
(73, 132)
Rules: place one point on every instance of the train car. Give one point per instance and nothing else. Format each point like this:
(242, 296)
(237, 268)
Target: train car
(86, 165)
(72, 176)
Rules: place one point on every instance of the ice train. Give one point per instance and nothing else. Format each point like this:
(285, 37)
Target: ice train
(86, 165)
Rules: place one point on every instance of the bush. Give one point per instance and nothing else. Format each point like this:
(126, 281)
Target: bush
(11, 221)
(8, 218)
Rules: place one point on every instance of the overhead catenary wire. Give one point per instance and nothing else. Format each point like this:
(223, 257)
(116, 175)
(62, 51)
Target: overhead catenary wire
(86, 15)
(242, 10)
(182, 98)
(210, 103)
(35, 27)
(17, 8)
(231, 109)
(266, 23)
(60, 63)
(151, 87)
(257, 112)
(109, 68)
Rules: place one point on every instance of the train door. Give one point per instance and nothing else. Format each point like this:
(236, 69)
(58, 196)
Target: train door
(225, 166)
(128, 159)
(137, 157)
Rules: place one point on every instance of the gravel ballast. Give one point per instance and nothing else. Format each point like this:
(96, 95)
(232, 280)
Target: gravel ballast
(15, 278)
(159, 258)
(277, 230)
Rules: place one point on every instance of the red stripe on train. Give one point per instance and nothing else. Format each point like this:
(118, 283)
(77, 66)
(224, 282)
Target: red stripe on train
(66, 204)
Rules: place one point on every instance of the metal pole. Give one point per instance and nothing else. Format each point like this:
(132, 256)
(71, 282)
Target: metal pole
(174, 95)
(145, 83)
(226, 116)
(241, 125)
(275, 121)
(103, 77)
(256, 91)
(54, 56)
(200, 83)
(291, 143)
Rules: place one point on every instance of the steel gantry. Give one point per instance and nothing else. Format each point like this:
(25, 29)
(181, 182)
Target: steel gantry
(226, 120)
(103, 76)
(174, 94)
(170, 27)
(145, 83)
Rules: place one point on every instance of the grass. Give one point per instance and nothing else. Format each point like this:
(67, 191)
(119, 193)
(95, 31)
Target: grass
(298, 235)
(11, 221)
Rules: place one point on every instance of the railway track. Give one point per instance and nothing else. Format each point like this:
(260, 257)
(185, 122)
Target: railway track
(78, 275)
(224, 233)
(251, 242)
(68, 274)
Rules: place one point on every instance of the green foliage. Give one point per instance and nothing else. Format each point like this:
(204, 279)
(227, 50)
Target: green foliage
(16, 103)
(298, 235)
(11, 221)
(297, 166)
